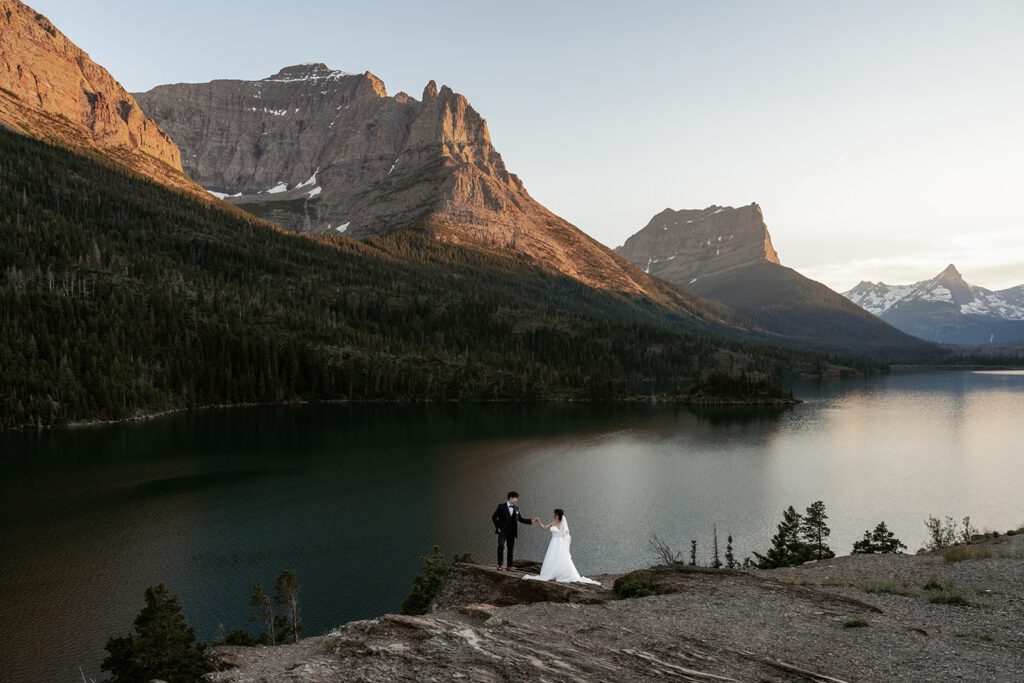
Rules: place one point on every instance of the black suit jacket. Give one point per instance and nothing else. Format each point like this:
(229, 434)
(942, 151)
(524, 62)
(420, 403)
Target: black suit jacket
(505, 523)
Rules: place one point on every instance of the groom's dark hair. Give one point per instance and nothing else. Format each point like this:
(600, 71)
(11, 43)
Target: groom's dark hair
(559, 512)
(512, 494)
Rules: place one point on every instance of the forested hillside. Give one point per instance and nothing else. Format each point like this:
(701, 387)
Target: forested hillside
(119, 297)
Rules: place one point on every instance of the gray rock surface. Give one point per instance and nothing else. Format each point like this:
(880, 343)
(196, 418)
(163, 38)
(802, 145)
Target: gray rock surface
(681, 245)
(820, 622)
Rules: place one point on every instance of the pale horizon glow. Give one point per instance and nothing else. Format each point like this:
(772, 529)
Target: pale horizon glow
(882, 140)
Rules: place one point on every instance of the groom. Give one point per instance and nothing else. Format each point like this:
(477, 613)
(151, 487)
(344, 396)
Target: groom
(505, 519)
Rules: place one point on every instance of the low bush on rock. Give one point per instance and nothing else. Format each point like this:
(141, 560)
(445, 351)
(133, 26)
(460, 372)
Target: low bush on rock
(960, 553)
(635, 585)
(427, 584)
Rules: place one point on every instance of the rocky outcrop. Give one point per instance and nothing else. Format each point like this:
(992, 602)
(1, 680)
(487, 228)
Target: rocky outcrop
(52, 90)
(726, 254)
(856, 618)
(321, 150)
(692, 243)
(475, 584)
(946, 308)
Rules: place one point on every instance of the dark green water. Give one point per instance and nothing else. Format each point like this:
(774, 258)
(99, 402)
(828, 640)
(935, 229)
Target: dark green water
(350, 496)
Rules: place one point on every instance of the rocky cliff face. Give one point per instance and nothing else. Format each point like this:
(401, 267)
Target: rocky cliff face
(822, 621)
(320, 150)
(51, 89)
(946, 308)
(681, 245)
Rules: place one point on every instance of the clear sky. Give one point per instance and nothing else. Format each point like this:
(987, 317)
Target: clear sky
(883, 140)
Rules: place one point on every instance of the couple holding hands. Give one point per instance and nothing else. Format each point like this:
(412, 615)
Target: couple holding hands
(558, 564)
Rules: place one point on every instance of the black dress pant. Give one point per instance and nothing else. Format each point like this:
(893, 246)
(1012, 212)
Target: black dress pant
(511, 541)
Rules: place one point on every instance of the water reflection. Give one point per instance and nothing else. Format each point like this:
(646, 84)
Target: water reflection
(349, 496)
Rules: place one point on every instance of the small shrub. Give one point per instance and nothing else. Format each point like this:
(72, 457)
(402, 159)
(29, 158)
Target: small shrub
(954, 599)
(637, 585)
(240, 637)
(941, 534)
(427, 583)
(967, 531)
(463, 558)
(879, 541)
(730, 558)
(856, 623)
(946, 533)
(663, 551)
(933, 585)
(976, 635)
(960, 553)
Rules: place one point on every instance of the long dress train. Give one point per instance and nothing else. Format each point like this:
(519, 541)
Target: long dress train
(558, 564)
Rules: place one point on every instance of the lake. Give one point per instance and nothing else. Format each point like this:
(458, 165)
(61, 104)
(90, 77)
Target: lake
(348, 496)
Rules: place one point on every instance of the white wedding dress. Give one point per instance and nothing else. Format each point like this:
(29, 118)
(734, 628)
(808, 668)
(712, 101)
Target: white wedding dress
(558, 564)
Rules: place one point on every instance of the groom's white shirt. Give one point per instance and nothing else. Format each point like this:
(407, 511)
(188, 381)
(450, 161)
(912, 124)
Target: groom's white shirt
(511, 511)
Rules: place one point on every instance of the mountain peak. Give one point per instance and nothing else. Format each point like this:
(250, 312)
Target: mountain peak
(691, 243)
(306, 72)
(950, 273)
(946, 309)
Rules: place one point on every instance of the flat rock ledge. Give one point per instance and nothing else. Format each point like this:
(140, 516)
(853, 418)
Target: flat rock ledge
(858, 618)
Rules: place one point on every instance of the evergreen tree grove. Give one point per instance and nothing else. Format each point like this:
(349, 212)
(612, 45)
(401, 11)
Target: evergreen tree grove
(119, 298)
(787, 549)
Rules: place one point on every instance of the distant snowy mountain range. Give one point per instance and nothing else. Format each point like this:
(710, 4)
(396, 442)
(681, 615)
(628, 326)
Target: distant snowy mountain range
(946, 309)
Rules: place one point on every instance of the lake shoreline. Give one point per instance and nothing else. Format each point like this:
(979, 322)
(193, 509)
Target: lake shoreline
(146, 417)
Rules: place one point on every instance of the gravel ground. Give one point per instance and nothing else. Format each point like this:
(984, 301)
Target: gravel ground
(828, 621)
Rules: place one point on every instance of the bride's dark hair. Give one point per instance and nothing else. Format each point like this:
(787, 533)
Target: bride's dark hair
(559, 512)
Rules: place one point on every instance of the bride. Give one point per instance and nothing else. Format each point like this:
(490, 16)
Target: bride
(558, 564)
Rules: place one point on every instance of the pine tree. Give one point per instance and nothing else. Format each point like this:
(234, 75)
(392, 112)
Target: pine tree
(881, 540)
(162, 647)
(264, 613)
(287, 600)
(693, 552)
(730, 559)
(715, 561)
(814, 530)
(787, 549)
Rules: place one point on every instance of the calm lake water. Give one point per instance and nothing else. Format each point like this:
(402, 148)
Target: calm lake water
(349, 496)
